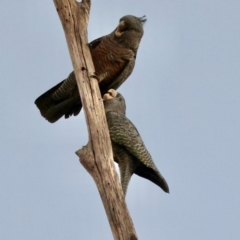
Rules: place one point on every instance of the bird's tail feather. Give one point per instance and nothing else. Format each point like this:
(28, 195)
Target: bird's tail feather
(153, 176)
(52, 110)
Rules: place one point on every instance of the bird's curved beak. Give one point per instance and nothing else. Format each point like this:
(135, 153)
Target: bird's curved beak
(120, 29)
(110, 94)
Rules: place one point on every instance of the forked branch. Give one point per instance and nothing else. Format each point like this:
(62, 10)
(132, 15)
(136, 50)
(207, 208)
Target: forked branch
(97, 156)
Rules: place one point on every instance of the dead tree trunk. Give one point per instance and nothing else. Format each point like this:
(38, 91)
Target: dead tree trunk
(97, 156)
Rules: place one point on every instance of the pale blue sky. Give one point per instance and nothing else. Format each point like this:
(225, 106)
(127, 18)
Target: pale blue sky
(183, 97)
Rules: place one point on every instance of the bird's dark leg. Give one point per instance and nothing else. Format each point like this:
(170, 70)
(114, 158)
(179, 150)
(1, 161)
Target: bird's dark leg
(94, 75)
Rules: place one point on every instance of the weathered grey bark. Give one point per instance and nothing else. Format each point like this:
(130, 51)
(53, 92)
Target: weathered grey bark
(97, 156)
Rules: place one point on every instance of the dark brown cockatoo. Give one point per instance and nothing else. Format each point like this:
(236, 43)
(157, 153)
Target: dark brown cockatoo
(113, 56)
(129, 150)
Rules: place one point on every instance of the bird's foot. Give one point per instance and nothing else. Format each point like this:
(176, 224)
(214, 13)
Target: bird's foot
(94, 75)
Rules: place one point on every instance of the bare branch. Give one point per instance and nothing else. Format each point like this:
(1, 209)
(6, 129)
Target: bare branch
(97, 156)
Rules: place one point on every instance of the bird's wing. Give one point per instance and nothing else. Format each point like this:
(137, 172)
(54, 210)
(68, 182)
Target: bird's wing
(123, 132)
(66, 89)
(95, 43)
(120, 78)
(118, 62)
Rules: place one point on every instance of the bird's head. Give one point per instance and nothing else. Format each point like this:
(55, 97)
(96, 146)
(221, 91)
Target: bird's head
(130, 31)
(114, 102)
